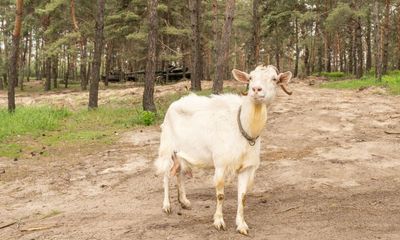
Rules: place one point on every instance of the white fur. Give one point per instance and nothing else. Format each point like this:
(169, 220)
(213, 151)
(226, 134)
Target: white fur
(203, 132)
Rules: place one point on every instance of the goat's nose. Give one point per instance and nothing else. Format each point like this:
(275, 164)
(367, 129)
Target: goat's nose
(257, 89)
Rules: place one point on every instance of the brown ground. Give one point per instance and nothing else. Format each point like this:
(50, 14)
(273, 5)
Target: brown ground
(330, 170)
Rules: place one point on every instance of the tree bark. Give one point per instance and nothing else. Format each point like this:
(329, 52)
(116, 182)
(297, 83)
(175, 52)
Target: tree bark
(98, 48)
(360, 53)
(109, 50)
(29, 57)
(377, 42)
(223, 47)
(148, 94)
(215, 32)
(297, 52)
(23, 63)
(47, 84)
(14, 56)
(368, 63)
(385, 40)
(55, 71)
(254, 52)
(47, 62)
(82, 46)
(195, 12)
(398, 36)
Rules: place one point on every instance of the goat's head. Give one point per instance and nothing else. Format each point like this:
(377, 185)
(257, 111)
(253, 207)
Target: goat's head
(263, 82)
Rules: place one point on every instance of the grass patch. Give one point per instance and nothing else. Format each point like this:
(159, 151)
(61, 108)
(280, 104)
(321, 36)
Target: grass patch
(391, 81)
(10, 150)
(41, 131)
(32, 120)
(333, 75)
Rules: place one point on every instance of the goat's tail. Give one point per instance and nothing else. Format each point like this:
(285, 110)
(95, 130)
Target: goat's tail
(163, 163)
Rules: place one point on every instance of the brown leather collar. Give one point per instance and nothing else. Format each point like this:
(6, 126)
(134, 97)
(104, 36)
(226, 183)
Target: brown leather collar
(251, 140)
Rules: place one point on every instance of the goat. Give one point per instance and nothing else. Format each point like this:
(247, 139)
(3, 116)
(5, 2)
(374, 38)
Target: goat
(221, 131)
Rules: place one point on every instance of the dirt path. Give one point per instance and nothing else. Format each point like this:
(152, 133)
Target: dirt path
(330, 170)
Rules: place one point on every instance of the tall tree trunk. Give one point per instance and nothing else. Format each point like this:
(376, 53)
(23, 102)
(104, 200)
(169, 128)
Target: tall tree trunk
(254, 52)
(328, 54)
(29, 57)
(377, 42)
(23, 63)
(47, 62)
(195, 12)
(83, 61)
(385, 40)
(55, 71)
(368, 63)
(398, 36)
(66, 76)
(82, 46)
(47, 84)
(223, 47)
(37, 60)
(297, 52)
(306, 60)
(277, 57)
(14, 56)
(360, 53)
(215, 32)
(148, 94)
(109, 53)
(98, 48)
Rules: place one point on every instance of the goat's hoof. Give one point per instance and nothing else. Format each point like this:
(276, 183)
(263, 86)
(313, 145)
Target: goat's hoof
(243, 229)
(167, 209)
(185, 204)
(219, 224)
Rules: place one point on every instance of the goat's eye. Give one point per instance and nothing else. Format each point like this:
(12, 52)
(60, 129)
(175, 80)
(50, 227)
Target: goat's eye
(250, 78)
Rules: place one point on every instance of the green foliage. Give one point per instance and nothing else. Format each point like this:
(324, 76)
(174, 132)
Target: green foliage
(146, 118)
(32, 120)
(137, 36)
(162, 8)
(339, 16)
(173, 31)
(333, 75)
(50, 6)
(391, 81)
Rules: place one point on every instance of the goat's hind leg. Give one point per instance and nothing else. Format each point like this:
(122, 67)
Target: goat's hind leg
(185, 203)
(166, 202)
(219, 222)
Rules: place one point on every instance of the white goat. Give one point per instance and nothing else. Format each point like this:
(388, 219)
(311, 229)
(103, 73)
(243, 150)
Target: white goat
(221, 131)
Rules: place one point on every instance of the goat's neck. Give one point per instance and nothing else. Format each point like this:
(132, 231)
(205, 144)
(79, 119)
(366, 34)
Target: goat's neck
(253, 117)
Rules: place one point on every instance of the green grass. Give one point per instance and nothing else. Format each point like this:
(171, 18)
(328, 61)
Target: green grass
(391, 81)
(333, 74)
(39, 129)
(32, 120)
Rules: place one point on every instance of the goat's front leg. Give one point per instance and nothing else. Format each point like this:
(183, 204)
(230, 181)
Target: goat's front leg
(245, 179)
(219, 187)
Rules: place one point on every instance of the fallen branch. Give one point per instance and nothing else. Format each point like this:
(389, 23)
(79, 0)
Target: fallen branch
(389, 132)
(7, 225)
(289, 209)
(37, 228)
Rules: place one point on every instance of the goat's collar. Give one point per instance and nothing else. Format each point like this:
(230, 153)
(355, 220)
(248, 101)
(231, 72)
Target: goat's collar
(251, 140)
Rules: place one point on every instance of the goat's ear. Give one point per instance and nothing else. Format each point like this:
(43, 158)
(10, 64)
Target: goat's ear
(284, 78)
(241, 76)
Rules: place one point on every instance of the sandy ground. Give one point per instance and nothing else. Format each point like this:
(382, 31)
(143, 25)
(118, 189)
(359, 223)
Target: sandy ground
(330, 170)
